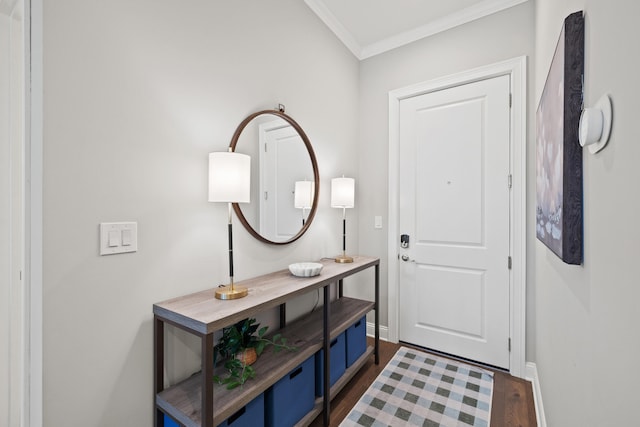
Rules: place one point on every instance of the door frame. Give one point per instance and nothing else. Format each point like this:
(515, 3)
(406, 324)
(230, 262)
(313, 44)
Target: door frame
(29, 315)
(516, 69)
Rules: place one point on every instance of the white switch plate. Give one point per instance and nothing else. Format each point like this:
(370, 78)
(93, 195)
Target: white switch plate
(377, 222)
(118, 237)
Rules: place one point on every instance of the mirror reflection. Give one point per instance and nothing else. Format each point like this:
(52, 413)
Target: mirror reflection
(284, 177)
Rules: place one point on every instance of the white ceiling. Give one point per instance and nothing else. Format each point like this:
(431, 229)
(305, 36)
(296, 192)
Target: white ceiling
(370, 27)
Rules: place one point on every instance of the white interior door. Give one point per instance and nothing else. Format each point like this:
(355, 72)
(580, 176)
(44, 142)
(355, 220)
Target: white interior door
(454, 206)
(283, 161)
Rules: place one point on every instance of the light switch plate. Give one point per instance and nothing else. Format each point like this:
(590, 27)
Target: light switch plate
(118, 237)
(377, 221)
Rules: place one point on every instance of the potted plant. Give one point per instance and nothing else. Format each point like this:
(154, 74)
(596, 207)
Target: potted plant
(240, 345)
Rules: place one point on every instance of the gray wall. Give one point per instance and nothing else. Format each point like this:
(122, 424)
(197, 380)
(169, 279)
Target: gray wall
(136, 94)
(587, 341)
(498, 37)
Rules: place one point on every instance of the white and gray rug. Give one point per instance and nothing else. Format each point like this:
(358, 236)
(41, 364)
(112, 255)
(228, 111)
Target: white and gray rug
(421, 389)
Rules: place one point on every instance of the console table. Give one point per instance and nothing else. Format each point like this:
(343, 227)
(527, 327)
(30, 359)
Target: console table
(198, 401)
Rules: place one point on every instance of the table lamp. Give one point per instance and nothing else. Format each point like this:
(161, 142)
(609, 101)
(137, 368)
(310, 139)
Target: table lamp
(229, 181)
(343, 196)
(303, 196)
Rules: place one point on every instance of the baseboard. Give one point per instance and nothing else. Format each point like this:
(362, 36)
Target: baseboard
(531, 374)
(384, 331)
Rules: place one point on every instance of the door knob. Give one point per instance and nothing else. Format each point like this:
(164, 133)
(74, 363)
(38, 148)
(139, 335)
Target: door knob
(405, 258)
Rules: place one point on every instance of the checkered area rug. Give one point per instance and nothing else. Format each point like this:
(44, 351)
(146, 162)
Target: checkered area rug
(420, 389)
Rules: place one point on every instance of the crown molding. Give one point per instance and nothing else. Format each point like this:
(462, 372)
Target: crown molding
(330, 20)
(477, 11)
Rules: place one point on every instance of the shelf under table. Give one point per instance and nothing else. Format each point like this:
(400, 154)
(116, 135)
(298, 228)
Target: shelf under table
(183, 400)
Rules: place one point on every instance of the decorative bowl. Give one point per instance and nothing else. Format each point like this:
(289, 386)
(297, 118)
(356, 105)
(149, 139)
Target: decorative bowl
(305, 269)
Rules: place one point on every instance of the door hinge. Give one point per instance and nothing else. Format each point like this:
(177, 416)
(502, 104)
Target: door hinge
(265, 147)
(509, 262)
(266, 195)
(509, 344)
(510, 100)
(510, 180)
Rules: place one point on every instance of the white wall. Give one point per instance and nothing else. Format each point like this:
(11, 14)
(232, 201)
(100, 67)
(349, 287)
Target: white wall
(498, 37)
(136, 94)
(587, 342)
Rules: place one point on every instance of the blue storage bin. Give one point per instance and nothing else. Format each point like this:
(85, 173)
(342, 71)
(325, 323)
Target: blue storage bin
(291, 398)
(356, 340)
(169, 422)
(251, 415)
(338, 363)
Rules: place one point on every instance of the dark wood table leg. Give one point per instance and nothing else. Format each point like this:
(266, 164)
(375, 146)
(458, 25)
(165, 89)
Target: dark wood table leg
(327, 355)
(207, 380)
(158, 367)
(377, 316)
(283, 315)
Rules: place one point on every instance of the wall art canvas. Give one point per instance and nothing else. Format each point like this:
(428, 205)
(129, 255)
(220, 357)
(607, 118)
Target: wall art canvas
(559, 223)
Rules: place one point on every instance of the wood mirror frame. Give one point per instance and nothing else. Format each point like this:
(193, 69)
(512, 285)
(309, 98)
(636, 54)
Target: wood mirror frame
(316, 177)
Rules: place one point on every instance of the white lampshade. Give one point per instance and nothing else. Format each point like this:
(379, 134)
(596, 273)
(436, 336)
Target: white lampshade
(343, 192)
(303, 194)
(229, 177)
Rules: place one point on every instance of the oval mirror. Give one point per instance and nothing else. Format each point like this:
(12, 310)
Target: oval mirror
(284, 177)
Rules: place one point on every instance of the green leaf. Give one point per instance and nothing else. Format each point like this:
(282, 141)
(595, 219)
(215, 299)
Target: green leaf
(249, 372)
(260, 347)
(262, 331)
(233, 385)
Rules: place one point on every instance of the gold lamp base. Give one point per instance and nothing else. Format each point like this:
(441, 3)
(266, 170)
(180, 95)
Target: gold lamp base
(343, 259)
(228, 292)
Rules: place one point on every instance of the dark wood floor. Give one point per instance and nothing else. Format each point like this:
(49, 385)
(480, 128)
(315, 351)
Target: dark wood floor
(512, 403)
